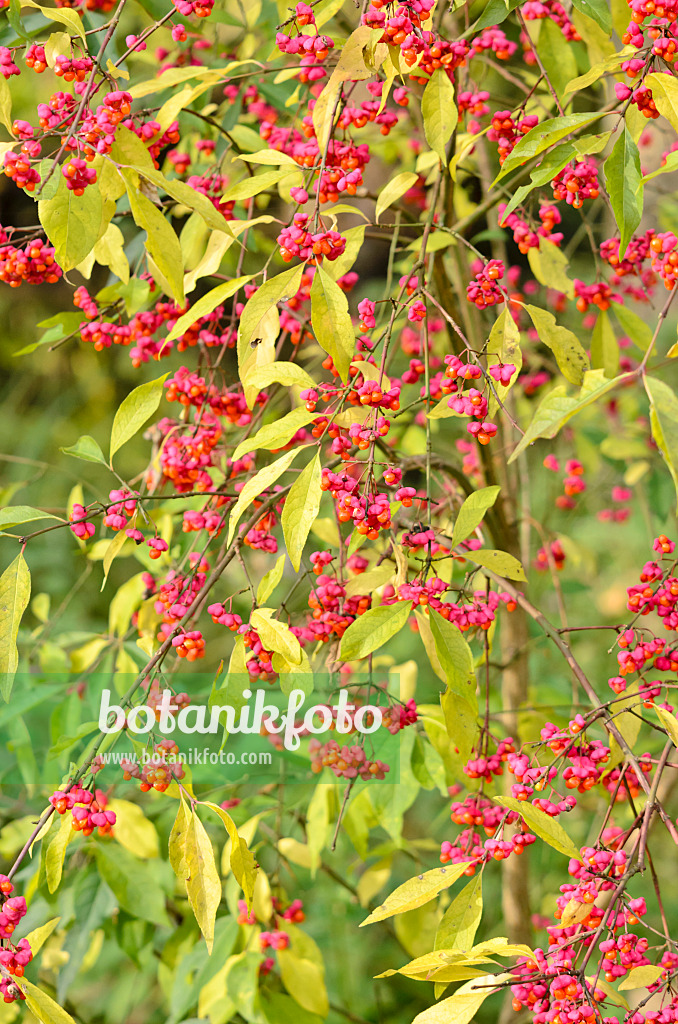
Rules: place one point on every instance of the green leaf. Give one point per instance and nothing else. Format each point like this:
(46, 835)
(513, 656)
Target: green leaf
(566, 347)
(304, 981)
(70, 19)
(276, 289)
(206, 305)
(56, 852)
(558, 407)
(177, 841)
(544, 135)
(549, 264)
(472, 512)
(504, 340)
(255, 185)
(559, 61)
(331, 320)
(86, 448)
(71, 223)
(542, 824)
(138, 407)
(664, 422)
(300, 510)
(276, 635)
(203, 884)
(598, 10)
(598, 70)
(455, 658)
(439, 111)
(15, 593)
(350, 67)
(38, 1002)
(417, 891)
(639, 332)
(277, 434)
(6, 105)
(258, 483)
(499, 562)
(547, 169)
(38, 937)
(134, 883)
(17, 515)
(393, 190)
(161, 243)
(373, 629)
(604, 347)
(460, 921)
(623, 180)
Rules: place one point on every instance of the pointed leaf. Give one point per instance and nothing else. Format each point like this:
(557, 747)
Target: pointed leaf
(439, 111)
(331, 320)
(472, 512)
(373, 629)
(623, 180)
(300, 510)
(417, 891)
(566, 347)
(138, 407)
(15, 592)
(541, 823)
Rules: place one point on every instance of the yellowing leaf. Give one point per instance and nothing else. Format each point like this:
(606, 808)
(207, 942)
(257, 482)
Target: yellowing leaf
(498, 561)
(277, 434)
(641, 977)
(177, 841)
(417, 891)
(461, 919)
(15, 593)
(206, 305)
(542, 824)
(304, 981)
(276, 289)
(664, 422)
(258, 483)
(270, 580)
(71, 222)
(38, 937)
(331, 320)
(161, 243)
(350, 66)
(56, 851)
(392, 191)
(669, 722)
(243, 864)
(549, 264)
(566, 347)
(134, 830)
(368, 582)
(288, 374)
(574, 912)
(439, 111)
(472, 512)
(665, 95)
(275, 635)
(373, 629)
(462, 1006)
(38, 1002)
(203, 884)
(300, 510)
(134, 410)
(70, 19)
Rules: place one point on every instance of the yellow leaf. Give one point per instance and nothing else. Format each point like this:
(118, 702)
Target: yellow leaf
(203, 884)
(393, 191)
(242, 862)
(133, 830)
(331, 320)
(15, 592)
(417, 891)
(43, 1006)
(304, 981)
(300, 510)
(56, 851)
(439, 112)
(38, 937)
(258, 483)
(641, 977)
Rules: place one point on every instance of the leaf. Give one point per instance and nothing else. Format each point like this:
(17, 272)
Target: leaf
(243, 864)
(134, 883)
(304, 981)
(56, 851)
(566, 347)
(472, 512)
(393, 190)
(6, 105)
(206, 305)
(417, 891)
(161, 243)
(17, 515)
(331, 320)
(287, 374)
(275, 635)
(598, 10)
(559, 61)
(112, 551)
(665, 95)
(350, 66)
(499, 562)
(542, 824)
(455, 658)
(71, 222)
(558, 407)
(177, 841)
(258, 483)
(354, 244)
(134, 410)
(255, 185)
(15, 593)
(368, 582)
(544, 135)
(277, 434)
(460, 921)
(87, 449)
(604, 347)
(664, 422)
(641, 977)
(38, 937)
(373, 629)
(70, 19)
(300, 510)
(38, 1002)
(597, 71)
(270, 580)
(623, 180)
(203, 884)
(549, 265)
(134, 830)
(637, 329)
(439, 112)
(669, 722)
(276, 289)
(184, 194)
(545, 171)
